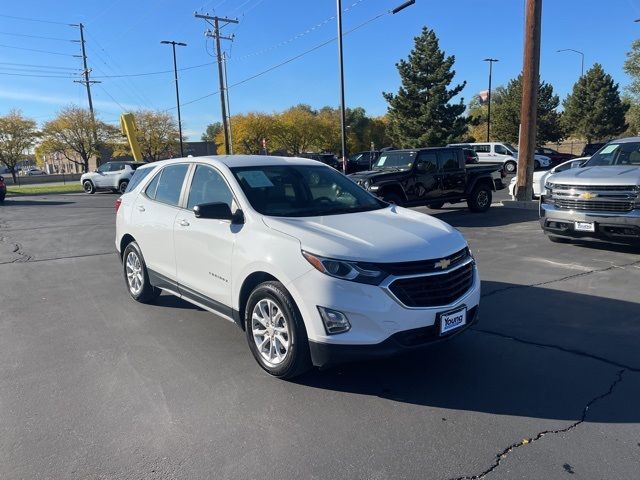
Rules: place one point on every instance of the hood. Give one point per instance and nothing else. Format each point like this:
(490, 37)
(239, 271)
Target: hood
(391, 234)
(604, 175)
(380, 175)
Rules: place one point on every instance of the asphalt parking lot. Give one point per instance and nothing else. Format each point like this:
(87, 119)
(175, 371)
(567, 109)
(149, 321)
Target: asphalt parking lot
(94, 385)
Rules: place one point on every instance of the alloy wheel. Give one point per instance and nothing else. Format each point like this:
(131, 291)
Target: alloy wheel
(135, 276)
(270, 331)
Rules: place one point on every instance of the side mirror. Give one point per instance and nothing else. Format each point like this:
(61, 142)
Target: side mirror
(218, 211)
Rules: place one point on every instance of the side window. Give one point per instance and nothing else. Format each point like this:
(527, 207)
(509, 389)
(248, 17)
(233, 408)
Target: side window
(150, 191)
(170, 184)
(448, 159)
(482, 148)
(104, 167)
(208, 186)
(138, 176)
(116, 167)
(500, 150)
(427, 162)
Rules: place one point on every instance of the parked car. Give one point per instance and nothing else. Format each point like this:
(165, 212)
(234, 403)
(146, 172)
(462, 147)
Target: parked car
(600, 200)
(556, 157)
(3, 189)
(314, 269)
(362, 161)
(591, 148)
(113, 176)
(540, 176)
(34, 171)
(326, 158)
(432, 177)
(502, 152)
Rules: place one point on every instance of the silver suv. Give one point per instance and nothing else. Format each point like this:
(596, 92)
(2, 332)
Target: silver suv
(113, 176)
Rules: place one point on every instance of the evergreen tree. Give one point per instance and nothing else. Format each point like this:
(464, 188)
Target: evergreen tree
(421, 114)
(594, 109)
(505, 121)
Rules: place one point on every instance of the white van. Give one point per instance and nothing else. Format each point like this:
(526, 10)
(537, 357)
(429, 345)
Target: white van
(501, 152)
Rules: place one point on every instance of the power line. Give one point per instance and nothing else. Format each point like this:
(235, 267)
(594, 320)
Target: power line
(26, 19)
(111, 97)
(38, 66)
(35, 36)
(39, 51)
(36, 76)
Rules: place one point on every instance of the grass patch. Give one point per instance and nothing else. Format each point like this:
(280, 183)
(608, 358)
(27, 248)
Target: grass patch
(15, 191)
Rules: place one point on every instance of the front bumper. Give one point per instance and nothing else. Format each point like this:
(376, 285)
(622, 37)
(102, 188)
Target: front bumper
(380, 324)
(612, 227)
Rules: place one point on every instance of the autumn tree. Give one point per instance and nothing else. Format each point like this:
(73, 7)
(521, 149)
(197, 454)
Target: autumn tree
(158, 134)
(594, 109)
(211, 132)
(422, 113)
(71, 134)
(296, 129)
(247, 132)
(17, 135)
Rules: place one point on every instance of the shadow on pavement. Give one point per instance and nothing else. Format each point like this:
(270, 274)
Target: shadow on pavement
(488, 373)
(18, 202)
(494, 217)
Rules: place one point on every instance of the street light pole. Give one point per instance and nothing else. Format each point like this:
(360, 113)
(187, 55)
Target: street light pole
(579, 53)
(175, 76)
(491, 62)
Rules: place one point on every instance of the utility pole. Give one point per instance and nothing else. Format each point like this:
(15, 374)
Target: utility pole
(226, 83)
(491, 61)
(528, 111)
(87, 83)
(343, 120)
(175, 76)
(216, 34)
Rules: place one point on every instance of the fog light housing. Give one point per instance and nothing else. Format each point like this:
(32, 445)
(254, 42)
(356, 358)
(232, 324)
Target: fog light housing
(334, 321)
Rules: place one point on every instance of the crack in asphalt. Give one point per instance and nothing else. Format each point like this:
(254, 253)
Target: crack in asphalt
(36, 260)
(17, 249)
(527, 441)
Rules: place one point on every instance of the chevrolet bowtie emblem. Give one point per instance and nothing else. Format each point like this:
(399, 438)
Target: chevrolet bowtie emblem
(444, 263)
(588, 195)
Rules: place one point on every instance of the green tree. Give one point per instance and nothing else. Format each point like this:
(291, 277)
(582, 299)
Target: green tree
(17, 135)
(71, 135)
(158, 134)
(421, 113)
(594, 109)
(505, 117)
(478, 113)
(210, 133)
(632, 68)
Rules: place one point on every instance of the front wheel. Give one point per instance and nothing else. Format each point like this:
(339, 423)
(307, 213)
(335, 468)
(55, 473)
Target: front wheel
(88, 187)
(480, 199)
(275, 331)
(510, 167)
(536, 164)
(136, 275)
(555, 239)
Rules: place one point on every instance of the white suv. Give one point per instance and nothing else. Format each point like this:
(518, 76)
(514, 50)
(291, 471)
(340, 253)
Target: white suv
(113, 176)
(315, 269)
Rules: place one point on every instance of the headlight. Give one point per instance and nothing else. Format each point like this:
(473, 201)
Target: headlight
(353, 271)
(549, 186)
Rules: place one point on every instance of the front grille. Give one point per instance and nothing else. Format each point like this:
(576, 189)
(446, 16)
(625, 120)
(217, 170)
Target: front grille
(591, 188)
(594, 205)
(434, 290)
(424, 266)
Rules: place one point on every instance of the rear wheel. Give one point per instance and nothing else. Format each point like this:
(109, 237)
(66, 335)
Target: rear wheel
(393, 198)
(122, 186)
(510, 167)
(275, 331)
(480, 199)
(136, 275)
(88, 187)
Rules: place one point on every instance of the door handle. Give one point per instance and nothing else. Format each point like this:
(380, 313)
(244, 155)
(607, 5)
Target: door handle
(182, 222)
(140, 208)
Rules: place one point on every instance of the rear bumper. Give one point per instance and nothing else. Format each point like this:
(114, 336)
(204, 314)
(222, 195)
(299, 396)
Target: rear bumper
(327, 354)
(612, 227)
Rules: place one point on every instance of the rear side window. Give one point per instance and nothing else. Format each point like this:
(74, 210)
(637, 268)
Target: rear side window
(448, 160)
(137, 177)
(481, 148)
(170, 184)
(116, 167)
(150, 191)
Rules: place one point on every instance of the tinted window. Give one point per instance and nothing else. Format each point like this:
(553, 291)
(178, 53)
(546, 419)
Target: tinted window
(500, 150)
(427, 162)
(448, 160)
(116, 167)
(134, 166)
(138, 176)
(208, 186)
(104, 167)
(170, 184)
(150, 191)
(482, 148)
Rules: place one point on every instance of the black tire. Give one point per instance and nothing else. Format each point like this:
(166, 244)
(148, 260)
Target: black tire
(122, 186)
(555, 239)
(1, 198)
(88, 187)
(536, 165)
(146, 293)
(297, 359)
(436, 206)
(480, 199)
(510, 167)
(393, 198)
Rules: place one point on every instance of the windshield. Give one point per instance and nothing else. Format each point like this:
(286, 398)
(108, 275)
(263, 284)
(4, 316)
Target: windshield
(511, 147)
(616, 154)
(399, 160)
(302, 191)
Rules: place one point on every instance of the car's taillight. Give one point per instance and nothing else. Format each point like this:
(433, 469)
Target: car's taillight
(117, 204)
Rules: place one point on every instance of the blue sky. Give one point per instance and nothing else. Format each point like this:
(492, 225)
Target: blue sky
(123, 37)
